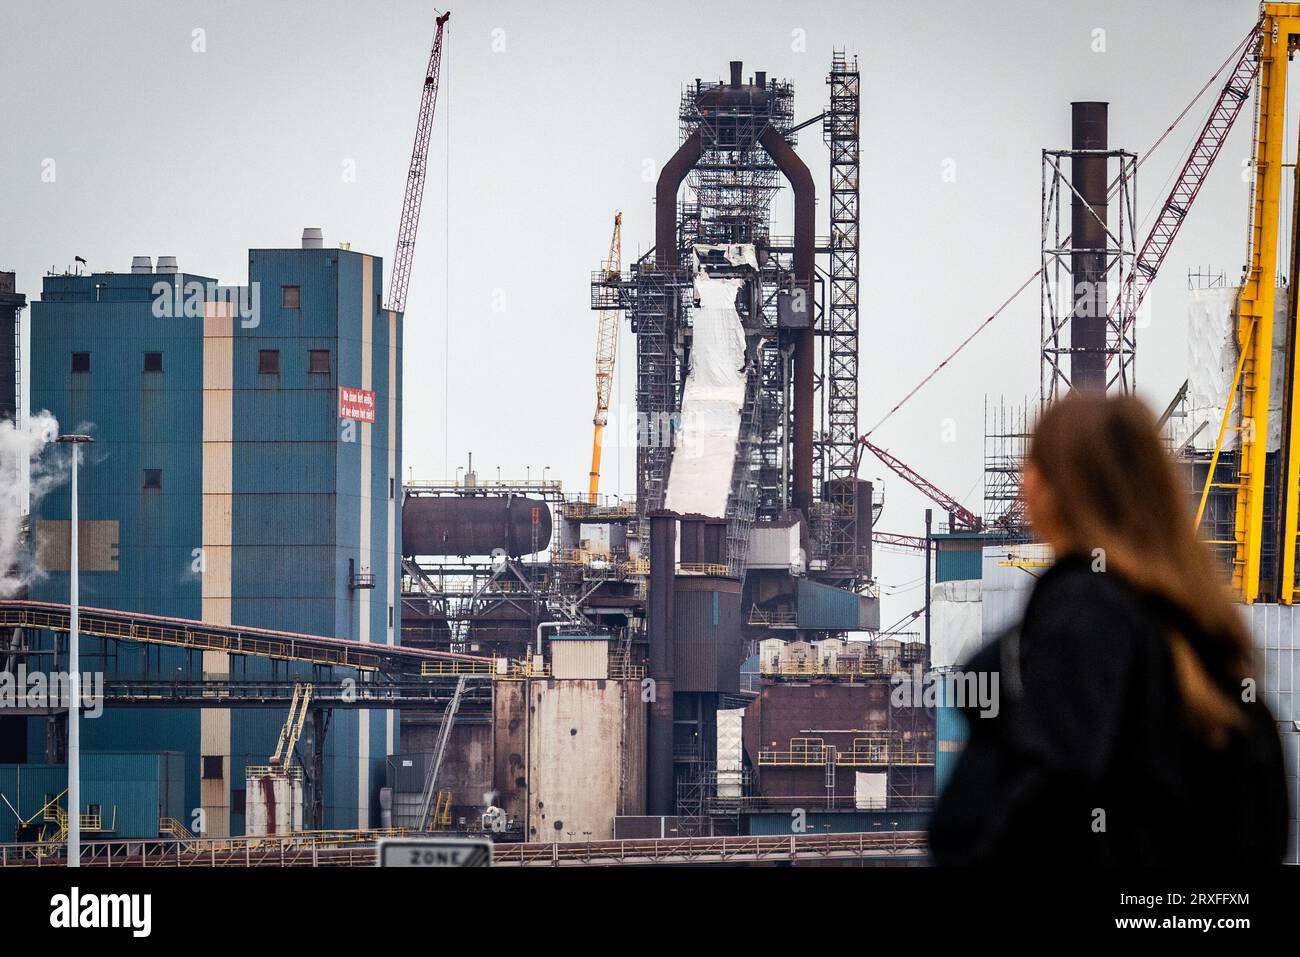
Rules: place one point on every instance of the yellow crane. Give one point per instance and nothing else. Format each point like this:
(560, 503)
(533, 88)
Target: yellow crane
(1278, 40)
(606, 353)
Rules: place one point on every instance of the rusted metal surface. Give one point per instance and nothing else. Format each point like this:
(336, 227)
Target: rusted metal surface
(670, 180)
(474, 525)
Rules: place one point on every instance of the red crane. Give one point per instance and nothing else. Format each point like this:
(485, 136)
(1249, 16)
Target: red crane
(401, 276)
(1204, 152)
(960, 513)
(898, 540)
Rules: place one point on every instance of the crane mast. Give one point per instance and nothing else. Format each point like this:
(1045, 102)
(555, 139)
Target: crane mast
(606, 353)
(410, 222)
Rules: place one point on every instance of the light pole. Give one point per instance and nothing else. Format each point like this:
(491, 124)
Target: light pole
(74, 667)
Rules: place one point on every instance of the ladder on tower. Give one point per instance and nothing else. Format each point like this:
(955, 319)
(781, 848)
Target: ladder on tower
(293, 724)
(830, 776)
(430, 795)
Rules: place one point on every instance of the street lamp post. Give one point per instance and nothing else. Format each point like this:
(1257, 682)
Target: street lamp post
(74, 666)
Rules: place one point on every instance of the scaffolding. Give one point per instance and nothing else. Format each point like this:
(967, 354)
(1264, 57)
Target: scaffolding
(1061, 299)
(839, 447)
(1006, 440)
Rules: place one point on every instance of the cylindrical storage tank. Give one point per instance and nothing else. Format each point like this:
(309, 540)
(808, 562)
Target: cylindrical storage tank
(474, 525)
(706, 634)
(273, 804)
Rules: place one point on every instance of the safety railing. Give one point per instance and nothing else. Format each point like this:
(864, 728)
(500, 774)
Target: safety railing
(702, 568)
(454, 669)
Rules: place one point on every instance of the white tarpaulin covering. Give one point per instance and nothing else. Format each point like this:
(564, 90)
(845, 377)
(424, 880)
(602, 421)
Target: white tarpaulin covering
(1212, 362)
(955, 632)
(730, 752)
(700, 478)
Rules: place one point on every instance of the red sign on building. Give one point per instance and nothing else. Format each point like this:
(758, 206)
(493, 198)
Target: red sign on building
(356, 404)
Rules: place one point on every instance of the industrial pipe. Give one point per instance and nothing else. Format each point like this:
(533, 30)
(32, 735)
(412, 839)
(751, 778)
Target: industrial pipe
(805, 211)
(670, 180)
(548, 624)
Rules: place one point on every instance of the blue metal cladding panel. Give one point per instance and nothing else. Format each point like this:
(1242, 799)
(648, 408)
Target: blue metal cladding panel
(140, 420)
(132, 790)
(284, 451)
(958, 560)
(27, 787)
(826, 608)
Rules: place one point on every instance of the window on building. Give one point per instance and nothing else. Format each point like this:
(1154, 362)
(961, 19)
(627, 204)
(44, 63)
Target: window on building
(392, 488)
(390, 616)
(213, 767)
(153, 362)
(153, 478)
(95, 812)
(268, 361)
(81, 362)
(318, 360)
(290, 297)
(238, 797)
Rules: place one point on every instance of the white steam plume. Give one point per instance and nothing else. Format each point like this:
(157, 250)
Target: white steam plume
(19, 446)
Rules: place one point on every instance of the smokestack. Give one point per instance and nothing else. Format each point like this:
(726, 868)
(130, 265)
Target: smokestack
(1088, 248)
(141, 264)
(167, 264)
(312, 238)
(760, 79)
(736, 67)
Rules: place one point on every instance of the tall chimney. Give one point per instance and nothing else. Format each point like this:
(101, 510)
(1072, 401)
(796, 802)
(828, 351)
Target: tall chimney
(1088, 249)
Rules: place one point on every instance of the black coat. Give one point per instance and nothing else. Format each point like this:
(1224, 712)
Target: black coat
(1090, 759)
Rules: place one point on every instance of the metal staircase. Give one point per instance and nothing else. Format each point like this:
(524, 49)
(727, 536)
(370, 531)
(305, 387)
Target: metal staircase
(430, 799)
(292, 729)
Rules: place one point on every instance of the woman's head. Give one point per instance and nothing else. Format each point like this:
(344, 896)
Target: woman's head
(1098, 482)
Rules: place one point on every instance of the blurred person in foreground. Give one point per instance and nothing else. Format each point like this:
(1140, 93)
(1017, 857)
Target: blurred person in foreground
(1128, 729)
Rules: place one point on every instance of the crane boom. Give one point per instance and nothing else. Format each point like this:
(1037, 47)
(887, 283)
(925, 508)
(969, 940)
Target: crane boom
(410, 222)
(898, 540)
(1232, 98)
(960, 512)
(606, 354)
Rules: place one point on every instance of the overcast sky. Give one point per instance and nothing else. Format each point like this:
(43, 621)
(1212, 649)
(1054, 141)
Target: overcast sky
(554, 115)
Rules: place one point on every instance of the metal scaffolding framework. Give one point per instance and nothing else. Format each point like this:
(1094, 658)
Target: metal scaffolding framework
(1066, 297)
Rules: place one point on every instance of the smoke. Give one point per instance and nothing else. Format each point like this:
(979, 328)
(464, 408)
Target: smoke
(27, 475)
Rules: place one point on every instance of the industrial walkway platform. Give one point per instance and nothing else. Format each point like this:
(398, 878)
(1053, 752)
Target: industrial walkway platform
(234, 639)
(357, 849)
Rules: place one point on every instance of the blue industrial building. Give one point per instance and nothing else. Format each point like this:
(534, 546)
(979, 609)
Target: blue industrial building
(246, 470)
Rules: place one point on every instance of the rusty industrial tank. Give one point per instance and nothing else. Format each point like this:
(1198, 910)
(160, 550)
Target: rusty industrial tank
(474, 525)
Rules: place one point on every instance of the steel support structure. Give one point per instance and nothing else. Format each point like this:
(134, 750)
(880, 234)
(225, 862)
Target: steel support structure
(1078, 268)
(837, 443)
